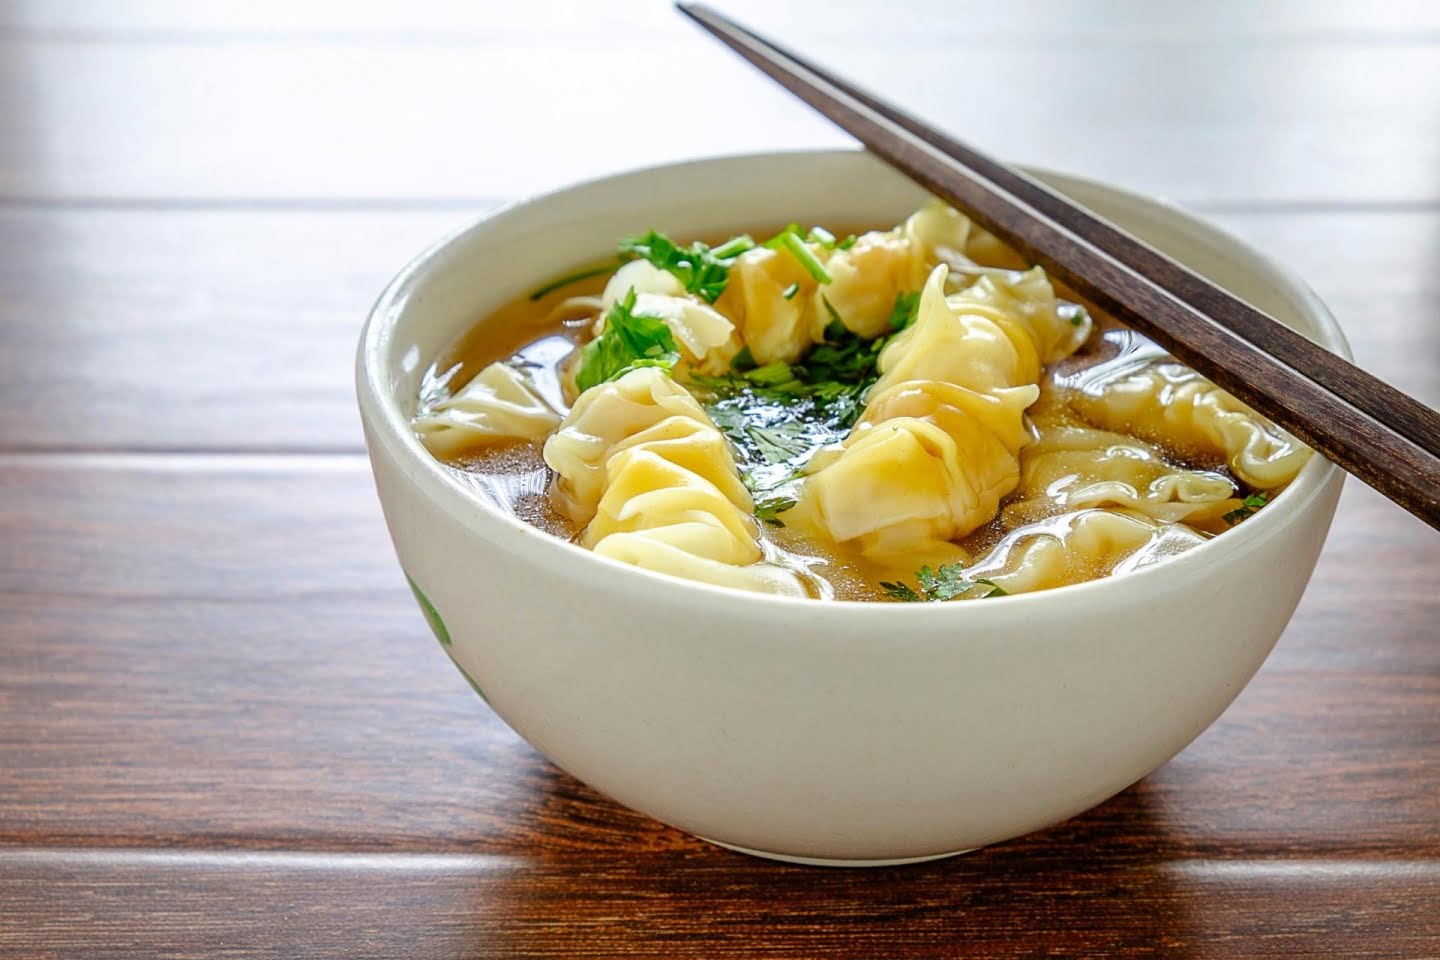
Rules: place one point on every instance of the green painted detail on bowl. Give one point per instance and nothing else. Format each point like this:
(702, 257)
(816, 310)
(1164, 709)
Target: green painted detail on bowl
(432, 616)
(473, 685)
(442, 633)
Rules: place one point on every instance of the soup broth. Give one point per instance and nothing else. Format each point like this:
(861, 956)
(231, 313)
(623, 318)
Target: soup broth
(1117, 464)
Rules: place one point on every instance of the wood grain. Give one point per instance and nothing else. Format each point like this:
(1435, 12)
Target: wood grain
(235, 330)
(224, 730)
(220, 651)
(1013, 904)
(1190, 111)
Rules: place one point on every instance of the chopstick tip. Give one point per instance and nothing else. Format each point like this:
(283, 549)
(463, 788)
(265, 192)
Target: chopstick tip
(695, 11)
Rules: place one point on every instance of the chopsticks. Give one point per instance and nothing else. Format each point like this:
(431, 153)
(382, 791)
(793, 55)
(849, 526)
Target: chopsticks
(1375, 432)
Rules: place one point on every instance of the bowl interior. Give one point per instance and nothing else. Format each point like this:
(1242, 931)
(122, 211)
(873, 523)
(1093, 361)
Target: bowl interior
(515, 249)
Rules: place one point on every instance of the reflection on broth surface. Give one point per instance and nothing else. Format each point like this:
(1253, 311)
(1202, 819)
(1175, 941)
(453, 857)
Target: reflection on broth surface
(906, 414)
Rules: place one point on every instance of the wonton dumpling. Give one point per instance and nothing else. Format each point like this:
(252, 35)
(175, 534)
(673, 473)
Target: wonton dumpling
(929, 463)
(642, 276)
(498, 403)
(773, 326)
(682, 442)
(1171, 403)
(881, 265)
(1081, 546)
(657, 550)
(643, 487)
(1027, 299)
(948, 236)
(706, 337)
(866, 279)
(1074, 468)
(602, 417)
(640, 460)
(932, 455)
(961, 342)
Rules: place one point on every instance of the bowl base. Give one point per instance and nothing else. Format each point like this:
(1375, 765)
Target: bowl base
(822, 862)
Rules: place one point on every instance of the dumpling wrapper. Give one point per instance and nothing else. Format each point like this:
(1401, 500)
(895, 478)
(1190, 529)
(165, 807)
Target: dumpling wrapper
(498, 403)
(1171, 404)
(775, 327)
(602, 417)
(929, 463)
(1073, 468)
(652, 477)
(1079, 546)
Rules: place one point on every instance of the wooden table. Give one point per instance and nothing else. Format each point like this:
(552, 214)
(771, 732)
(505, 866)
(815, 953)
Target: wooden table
(223, 728)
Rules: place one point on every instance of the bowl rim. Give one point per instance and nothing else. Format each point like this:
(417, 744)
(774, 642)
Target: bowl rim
(388, 427)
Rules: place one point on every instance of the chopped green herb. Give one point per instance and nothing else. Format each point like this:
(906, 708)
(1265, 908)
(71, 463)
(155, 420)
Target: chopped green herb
(779, 414)
(836, 326)
(733, 247)
(905, 311)
(901, 591)
(825, 239)
(936, 586)
(943, 584)
(771, 375)
(1077, 314)
(570, 278)
(777, 418)
(789, 292)
(702, 271)
(790, 240)
(1247, 507)
(629, 341)
(768, 510)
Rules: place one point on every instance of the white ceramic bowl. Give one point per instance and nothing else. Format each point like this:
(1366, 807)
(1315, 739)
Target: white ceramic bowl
(795, 729)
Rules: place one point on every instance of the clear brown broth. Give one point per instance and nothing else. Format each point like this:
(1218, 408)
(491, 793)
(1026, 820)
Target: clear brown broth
(513, 474)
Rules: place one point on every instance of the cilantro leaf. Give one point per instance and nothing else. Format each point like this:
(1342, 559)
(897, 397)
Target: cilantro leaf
(768, 510)
(1247, 507)
(901, 591)
(905, 311)
(947, 583)
(628, 341)
(702, 271)
(778, 415)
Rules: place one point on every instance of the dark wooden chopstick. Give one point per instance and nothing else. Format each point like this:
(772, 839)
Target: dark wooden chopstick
(1369, 445)
(1404, 413)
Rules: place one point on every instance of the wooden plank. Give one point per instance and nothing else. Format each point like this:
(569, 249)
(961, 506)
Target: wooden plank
(235, 330)
(163, 330)
(1201, 118)
(208, 652)
(1011, 903)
